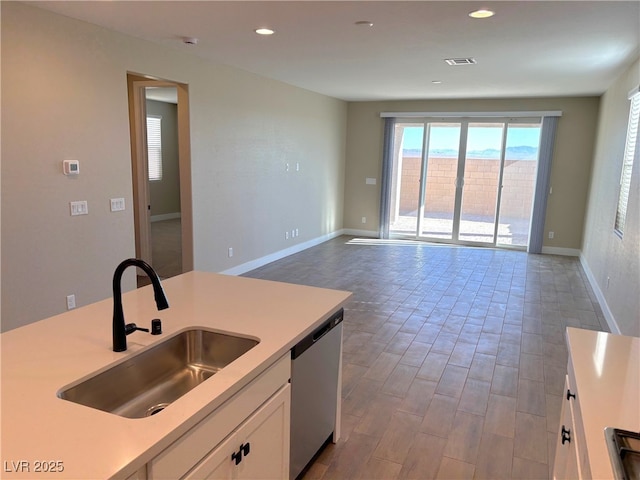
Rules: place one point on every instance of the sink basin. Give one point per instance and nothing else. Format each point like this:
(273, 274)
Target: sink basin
(146, 383)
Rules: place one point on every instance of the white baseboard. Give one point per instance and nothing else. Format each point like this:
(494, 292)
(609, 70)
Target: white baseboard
(165, 216)
(567, 252)
(608, 315)
(360, 233)
(259, 262)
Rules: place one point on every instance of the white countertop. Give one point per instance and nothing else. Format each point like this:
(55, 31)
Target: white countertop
(607, 376)
(40, 359)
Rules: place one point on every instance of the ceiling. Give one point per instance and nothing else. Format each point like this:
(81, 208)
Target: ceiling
(528, 49)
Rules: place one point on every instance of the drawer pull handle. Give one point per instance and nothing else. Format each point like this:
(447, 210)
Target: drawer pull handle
(244, 450)
(570, 395)
(566, 435)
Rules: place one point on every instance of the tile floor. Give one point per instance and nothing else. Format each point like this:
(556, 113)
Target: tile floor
(454, 358)
(166, 250)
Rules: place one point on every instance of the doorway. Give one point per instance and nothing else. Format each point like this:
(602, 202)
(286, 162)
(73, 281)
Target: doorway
(161, 167)
(464, 181)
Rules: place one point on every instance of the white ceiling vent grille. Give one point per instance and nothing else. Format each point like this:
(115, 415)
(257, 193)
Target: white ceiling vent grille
(460, 61)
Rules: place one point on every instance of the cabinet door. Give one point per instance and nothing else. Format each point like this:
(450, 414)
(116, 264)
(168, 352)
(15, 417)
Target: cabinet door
(565, 465)
(258, 449)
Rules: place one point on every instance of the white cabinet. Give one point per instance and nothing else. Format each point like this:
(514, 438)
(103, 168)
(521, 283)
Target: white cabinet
(251, 428)
(571, 461)
(258, 449)
(566, 463)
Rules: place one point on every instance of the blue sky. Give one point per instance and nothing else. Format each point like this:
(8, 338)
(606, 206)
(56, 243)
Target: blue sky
(479, 138)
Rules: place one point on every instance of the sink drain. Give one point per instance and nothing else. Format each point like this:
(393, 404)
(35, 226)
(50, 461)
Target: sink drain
(155, 409)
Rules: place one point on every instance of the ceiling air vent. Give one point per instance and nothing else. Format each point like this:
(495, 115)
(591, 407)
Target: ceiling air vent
(460, 61)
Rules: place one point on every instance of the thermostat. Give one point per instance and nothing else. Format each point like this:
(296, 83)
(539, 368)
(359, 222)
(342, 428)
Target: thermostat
(71, 167)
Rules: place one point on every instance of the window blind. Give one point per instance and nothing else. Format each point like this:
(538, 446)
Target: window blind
(627, 163)
(154, 147)
(543, 182)
(387, 167)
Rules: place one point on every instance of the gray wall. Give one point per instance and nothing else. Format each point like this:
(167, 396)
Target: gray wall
(605, 254)
(165, 193)
(64, 96)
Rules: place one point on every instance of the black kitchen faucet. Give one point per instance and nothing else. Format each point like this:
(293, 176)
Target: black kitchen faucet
(120, 329)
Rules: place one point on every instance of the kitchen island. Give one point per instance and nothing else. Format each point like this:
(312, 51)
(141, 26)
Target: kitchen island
(67, 440)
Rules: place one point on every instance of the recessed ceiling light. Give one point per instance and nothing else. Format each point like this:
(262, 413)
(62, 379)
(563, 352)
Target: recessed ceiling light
(482, 13)
(364, 23)
(264, 31)
(436, 82)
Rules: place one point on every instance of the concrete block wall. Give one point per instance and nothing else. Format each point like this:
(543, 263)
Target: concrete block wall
(480, 190)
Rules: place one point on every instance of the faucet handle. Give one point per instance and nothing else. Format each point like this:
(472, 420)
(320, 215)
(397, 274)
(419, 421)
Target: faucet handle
(132, 327)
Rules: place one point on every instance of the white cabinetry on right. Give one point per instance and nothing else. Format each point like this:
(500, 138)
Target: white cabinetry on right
(602, 390)
(571, 460)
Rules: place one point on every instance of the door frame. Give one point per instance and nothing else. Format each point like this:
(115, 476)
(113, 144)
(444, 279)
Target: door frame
(136, 85)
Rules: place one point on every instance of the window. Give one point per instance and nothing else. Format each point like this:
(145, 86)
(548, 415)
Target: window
(154, 147)
(627, 161)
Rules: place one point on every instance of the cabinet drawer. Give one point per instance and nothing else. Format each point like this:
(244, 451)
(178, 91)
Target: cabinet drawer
(188, 450)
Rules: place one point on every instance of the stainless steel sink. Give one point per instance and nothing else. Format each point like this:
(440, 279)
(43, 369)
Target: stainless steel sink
(147, 382)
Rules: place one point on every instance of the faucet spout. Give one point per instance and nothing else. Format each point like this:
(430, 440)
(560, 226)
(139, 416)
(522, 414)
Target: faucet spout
(119, 330)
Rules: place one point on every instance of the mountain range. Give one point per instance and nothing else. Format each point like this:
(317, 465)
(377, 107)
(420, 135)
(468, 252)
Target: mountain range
(522, 152)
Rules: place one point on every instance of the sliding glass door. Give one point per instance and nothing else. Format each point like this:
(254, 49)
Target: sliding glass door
(468, 182)
(518, 183)
(480, 175)
(438, 198)
(405, 186)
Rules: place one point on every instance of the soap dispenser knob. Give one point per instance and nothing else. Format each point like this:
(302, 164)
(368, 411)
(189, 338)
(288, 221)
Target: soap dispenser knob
(156, 326)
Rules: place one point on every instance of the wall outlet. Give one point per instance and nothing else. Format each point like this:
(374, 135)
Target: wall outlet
(286, 235)
(71, 302)
(230, 252)
(551, 234)
(364, 219)
(297, 233)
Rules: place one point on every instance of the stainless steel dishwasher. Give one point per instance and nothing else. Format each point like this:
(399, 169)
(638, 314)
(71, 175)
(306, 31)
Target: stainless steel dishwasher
(315, 362)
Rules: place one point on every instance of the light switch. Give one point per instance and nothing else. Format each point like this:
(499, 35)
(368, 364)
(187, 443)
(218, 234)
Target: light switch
(370, 181)
(117, 204)
(79, 208)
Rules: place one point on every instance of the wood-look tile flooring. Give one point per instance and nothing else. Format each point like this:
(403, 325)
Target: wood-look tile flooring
(453, 357)
(166, 250)
(166, 247)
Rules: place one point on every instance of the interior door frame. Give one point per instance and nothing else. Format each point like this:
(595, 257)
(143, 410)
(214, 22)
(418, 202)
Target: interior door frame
(136, 86)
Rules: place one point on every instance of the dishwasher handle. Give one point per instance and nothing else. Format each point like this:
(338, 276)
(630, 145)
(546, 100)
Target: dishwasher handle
(318, 334)
(313, 337)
